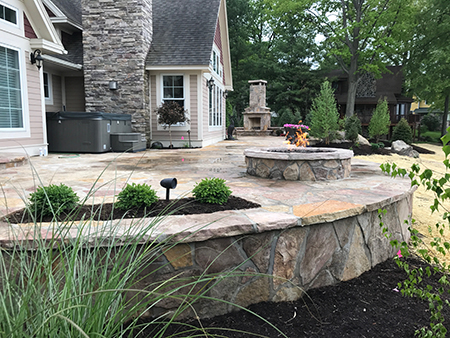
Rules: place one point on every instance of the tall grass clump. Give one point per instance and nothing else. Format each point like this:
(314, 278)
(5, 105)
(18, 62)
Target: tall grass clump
(93, 279)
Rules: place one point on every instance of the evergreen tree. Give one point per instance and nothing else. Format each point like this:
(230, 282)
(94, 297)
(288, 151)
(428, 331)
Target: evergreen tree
(380, 121)
(324, 114)
(352, 128)
(402, 131)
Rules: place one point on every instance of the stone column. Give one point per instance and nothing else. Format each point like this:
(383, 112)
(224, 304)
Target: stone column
(116, 37)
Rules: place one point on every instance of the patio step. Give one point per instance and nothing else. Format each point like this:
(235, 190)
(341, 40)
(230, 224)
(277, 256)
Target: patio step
(9, 160)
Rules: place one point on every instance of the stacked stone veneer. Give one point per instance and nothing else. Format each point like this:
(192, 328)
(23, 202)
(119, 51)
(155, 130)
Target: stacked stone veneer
(116, 38)
(309, 165)
(277, 265)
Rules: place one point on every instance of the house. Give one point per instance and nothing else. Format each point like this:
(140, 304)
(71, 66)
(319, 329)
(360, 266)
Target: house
(370, 90)
(123, 57)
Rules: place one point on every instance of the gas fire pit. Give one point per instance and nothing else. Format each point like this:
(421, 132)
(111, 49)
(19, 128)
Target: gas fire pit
(299, 164)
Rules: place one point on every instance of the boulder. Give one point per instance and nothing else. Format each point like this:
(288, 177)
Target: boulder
(362, 141)
(402, 148)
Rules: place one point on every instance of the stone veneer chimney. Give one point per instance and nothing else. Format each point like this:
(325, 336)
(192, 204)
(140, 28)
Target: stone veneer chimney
(116, 37)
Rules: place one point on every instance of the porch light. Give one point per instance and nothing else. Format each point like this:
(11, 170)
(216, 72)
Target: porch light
(168, 183)
(210, 83)
(36, 58)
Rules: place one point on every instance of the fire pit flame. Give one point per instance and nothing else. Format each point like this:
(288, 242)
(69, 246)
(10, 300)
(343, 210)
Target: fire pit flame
(301, 137)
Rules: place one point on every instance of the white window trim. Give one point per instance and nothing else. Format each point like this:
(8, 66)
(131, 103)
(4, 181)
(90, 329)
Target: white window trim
(8, 133)
(17, 15)
(49, 99)
(184, 126)
(217, 91)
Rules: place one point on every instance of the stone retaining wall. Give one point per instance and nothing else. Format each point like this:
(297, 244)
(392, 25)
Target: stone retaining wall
(281, 265)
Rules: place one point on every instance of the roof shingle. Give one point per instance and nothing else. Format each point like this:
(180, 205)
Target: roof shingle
(183, 32)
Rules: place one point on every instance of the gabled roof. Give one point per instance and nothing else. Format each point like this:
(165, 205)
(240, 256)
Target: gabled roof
(183, 32)
(71, 9)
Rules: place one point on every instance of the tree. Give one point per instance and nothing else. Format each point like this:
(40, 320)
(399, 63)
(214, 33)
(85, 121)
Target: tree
(428, 65)
(380, 121)
(324, 114)
(263, 47)
(169, 113)
(358, 33)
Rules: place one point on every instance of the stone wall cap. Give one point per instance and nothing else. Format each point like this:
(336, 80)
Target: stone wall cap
(257, 81)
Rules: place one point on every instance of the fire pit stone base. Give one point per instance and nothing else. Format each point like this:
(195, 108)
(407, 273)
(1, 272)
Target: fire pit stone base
(301, 164)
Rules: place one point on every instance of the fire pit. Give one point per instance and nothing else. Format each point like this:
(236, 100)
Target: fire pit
(299, 164)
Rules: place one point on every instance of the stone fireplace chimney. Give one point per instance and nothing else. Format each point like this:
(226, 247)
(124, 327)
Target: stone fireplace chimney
(116, 37)
(257, 115)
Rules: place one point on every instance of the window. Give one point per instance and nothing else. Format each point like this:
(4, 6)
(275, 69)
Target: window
(401, 111)
(216, 63)
(173, 89)
(8, 14)
(48, 88)
(10, 92)
(215, 106)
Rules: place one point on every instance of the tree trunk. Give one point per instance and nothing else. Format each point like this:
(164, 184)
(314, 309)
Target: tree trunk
(352, 84)
(444, 116)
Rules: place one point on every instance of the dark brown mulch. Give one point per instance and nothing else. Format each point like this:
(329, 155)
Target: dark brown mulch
(106, 211)
(363, 150)
(367, 306)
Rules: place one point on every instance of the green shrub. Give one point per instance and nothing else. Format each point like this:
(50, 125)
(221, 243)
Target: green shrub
(380, 121)
(52, 200)
(431, 121)
(286, 117)
(352, 128)
(136, 196)
(402, 131)
(324, 114)
(212, 190)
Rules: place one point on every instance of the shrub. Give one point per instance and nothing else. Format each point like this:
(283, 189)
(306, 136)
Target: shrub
(402, 131)
(352, 128)
(136, 196)
(52, 200)
(212, 190)
(286, 117)
(415, 285)
(431, 121)
(324, 114)
(171, 113)
(380, 121)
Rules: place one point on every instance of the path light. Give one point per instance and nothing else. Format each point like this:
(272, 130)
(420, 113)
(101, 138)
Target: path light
(168, 183)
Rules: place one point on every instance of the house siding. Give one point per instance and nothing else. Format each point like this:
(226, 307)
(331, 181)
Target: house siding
(29, 31)
(162, 135)
(211, 134)
(56, 94)
(74, 94)
(218, 43)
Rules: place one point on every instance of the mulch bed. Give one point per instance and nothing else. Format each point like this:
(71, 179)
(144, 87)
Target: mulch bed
(363, 150)
(367, 306)
(106, 211)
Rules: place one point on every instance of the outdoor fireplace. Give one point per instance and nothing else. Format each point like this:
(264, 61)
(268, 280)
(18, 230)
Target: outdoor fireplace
(257, 115)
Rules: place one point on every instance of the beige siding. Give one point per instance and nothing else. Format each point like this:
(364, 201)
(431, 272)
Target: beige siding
(36, 121)
(75, 100)
(57, 95)
(193, 109)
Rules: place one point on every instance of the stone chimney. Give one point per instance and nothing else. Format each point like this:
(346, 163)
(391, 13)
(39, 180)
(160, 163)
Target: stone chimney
(116, 37)
(257, 115)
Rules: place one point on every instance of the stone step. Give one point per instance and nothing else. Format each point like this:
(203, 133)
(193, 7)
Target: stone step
(9, 160)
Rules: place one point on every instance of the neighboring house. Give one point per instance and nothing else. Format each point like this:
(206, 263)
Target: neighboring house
(129, 57)
(24, 28)
(370, 90)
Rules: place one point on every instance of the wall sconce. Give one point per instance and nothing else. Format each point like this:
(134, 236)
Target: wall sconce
(210, 83)
(225, 94)
(36, 58)
(113, 85)
(168, 183)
